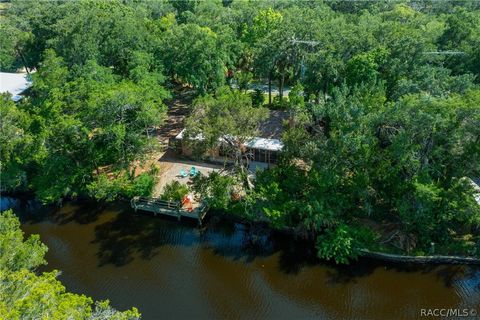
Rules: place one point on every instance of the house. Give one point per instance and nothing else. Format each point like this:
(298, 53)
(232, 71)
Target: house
(263, 149)
(14, 83)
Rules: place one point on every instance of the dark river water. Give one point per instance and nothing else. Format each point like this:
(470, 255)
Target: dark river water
(172, 270)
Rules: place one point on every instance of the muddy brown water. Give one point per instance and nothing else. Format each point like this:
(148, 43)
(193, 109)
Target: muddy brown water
(172, 270)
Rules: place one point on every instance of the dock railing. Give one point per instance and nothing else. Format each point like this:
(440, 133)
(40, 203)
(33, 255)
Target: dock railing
(169, 208)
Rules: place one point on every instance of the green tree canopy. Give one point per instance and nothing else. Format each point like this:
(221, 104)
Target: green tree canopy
(196, 55)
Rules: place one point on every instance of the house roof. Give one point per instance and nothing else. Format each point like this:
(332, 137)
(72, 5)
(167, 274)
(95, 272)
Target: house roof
(476, 181)
(272, 128)
(180, 136)
(265, 144)
(14, 83)
(269, 136)
(254, 143)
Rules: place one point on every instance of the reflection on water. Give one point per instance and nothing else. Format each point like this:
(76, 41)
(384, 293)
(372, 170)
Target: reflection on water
(174, 270)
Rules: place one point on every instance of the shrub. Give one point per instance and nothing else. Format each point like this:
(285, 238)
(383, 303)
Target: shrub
(110, 189)
(280, 104)
(215, 189)
(174, 191)
(258, 98)
(337, 244)
(143, 185)
(104, 188)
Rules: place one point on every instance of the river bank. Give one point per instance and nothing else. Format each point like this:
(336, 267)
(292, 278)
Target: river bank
(175, 270)
(387, 256)
(258, 227)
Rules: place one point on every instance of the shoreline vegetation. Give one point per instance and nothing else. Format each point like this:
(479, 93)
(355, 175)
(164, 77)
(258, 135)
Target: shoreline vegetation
(377, 255)
(363, 252)
(383, 105)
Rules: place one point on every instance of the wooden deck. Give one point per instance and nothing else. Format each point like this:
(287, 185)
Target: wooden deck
(169, 208)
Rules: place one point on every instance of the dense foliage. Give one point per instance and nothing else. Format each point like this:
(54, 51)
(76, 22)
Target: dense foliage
(396, 168)
(174, 191)
(27, 294)
(384, 108)
(95, 98)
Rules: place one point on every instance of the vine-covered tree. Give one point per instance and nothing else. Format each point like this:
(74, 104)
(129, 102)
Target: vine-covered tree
(229, 119)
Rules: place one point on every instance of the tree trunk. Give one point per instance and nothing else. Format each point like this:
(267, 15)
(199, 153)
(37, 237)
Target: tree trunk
(270, 88)
(325, 88)
(282, 82)
(23, 60)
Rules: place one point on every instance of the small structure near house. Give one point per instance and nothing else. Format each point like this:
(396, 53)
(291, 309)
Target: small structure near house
(14, 83)
(262, 149)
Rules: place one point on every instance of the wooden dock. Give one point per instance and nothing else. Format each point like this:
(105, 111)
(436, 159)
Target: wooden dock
(169, 208)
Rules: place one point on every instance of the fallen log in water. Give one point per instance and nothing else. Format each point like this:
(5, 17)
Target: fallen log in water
(436, 259)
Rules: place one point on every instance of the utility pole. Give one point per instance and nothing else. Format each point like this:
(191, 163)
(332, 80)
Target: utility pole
(310, 43)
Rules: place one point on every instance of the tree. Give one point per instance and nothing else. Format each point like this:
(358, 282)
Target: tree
(174, 191)
(364, 67)
(12, 51)
(196, 56)
(183, 6)
(87, 33)
(435, 81)
(215, 189)
(15, 144)
(243, 80)
(461, 34)
(228, 117)
(368, 159)
(32, 23)
(122, 186)
(429, 149)
(259, 36)
(337, 245)
(16, 253)
(85, 118)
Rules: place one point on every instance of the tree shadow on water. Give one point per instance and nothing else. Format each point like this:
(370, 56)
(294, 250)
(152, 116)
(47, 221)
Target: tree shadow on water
(84, 213)
(342, 274)
(246, 243)
(364, 267)
(32, 211)
(129, 235)
(237, 241)
(296, 255)
(451, 274)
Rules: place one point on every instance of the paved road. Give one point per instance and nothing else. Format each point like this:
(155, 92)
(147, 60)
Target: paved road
(264, 88)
